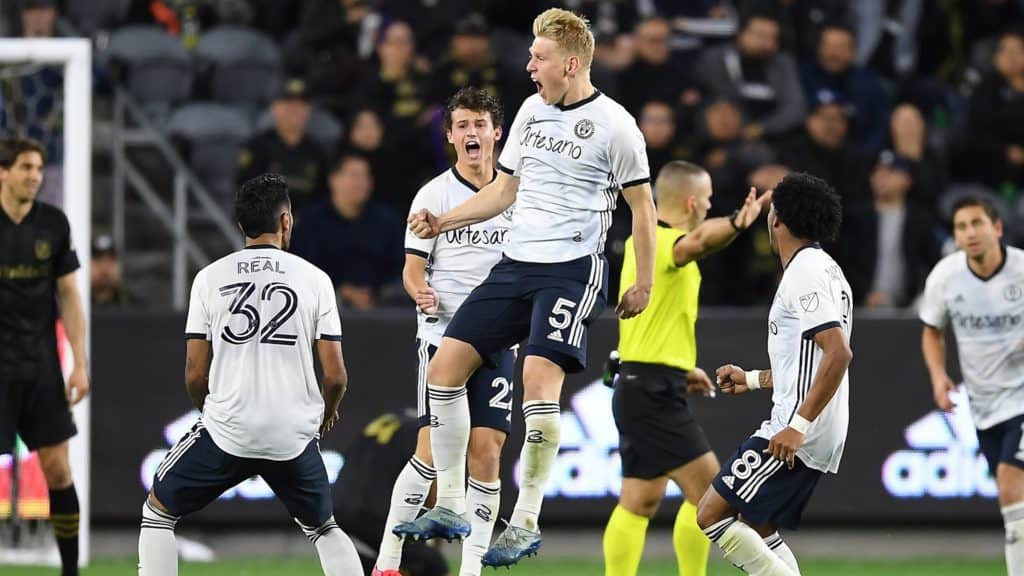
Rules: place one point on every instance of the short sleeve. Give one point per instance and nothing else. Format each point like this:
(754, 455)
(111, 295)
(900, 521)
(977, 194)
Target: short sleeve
(628, 154)
(328, 321)
(428, 198)
(933, 311)
(511, 152)
(812, 301)
(198, 324)
(65, 259)
(666, 250)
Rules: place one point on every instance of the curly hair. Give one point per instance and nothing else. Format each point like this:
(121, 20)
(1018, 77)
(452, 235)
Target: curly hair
(475, 100)
(808, 206)
(259, 202)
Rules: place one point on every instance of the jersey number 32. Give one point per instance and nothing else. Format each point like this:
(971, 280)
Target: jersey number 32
(241, 292)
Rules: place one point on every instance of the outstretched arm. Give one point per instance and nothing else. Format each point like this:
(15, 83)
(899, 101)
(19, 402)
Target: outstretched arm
(490, 201)
(717, 233)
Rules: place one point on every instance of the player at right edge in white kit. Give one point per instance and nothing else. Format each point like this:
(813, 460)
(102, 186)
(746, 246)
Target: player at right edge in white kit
(569, 153)
(979, 291)
(767, 482)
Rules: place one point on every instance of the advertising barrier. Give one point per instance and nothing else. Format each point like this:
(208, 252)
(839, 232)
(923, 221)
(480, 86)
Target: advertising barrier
(904, 461)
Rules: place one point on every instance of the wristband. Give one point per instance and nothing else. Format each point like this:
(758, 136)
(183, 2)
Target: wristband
(800, 424)
(753, 379)
(732, 220)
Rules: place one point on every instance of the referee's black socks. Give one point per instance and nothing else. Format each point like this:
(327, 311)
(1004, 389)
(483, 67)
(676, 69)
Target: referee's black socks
(64, 517)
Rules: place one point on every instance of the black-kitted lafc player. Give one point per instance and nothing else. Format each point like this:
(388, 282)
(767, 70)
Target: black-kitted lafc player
(37, 271)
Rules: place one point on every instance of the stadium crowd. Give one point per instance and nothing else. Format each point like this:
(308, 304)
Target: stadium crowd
(903, 105)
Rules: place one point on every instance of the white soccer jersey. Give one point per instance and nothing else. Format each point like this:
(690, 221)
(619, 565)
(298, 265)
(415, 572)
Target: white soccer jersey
(812, 296)
(458, 260)
(988, 321)
(572, 162)
(263, 309)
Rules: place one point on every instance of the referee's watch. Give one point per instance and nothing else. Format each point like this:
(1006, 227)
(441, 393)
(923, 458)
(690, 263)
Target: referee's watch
(732, 220)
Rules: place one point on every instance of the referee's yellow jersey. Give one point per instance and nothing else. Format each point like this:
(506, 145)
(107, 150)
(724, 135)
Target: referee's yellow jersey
(666, 331)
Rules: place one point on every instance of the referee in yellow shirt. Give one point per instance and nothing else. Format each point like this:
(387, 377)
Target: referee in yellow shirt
(659, 438)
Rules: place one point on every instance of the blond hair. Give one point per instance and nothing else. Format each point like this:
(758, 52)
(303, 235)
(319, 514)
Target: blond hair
(569, 31)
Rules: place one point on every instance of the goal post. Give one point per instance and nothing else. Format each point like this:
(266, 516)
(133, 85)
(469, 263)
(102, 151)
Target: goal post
(74, 55)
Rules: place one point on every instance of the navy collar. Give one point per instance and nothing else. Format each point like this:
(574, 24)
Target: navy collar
(466, 182)
(583, 102)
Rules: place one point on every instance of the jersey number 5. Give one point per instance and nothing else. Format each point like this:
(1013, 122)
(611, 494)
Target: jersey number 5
(240, 306)
(561, 318)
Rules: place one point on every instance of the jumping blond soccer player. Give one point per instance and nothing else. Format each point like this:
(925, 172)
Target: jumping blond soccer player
(570, 152)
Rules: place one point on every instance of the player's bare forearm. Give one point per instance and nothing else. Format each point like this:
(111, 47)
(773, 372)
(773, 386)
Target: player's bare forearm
(334, 380)
(933, 348)
(197, 370)
(645, 222)
(73, 316)
(490, 201)
(414, 274)
(764, 379)
(835, 359)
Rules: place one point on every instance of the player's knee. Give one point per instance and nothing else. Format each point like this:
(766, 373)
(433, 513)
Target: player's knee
(645, 505)
(57, 471)
(707, 513)
(442, 372)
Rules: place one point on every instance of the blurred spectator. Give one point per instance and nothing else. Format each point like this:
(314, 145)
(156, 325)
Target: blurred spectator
(909, 135)
(754, 73)
(653, 74)
(395, 174)
(823, 149)
(356, 240)
(695, 25)
(833, 70)
(187, 19)
(396, 87)
(658, 124)
(722, 151)
(886, 32)
(802, 22)
(995, 126)
(470, 62)
(612, 55)
(894, 241)
(107, 291)
(287, 149)
(32, 98)
(431, 20)
(328, 46)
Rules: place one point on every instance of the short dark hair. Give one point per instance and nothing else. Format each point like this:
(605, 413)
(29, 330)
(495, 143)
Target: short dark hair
(477, 100)
(973, 200)
(349, 154)
(760, 9)
(11, 148)
(259, 202)
(808, 206)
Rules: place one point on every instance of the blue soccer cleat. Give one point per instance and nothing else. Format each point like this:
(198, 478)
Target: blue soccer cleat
(512, 545)
(438, 522)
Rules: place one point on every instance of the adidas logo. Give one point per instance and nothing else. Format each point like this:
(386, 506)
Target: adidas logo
(588, 463)
(942, 460)
(254, 488)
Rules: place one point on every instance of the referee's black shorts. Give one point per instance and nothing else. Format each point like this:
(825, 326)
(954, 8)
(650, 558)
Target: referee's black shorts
(36, 409)
(657, 431)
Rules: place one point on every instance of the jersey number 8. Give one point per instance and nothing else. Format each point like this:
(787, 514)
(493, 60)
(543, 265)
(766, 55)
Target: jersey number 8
(240, 306)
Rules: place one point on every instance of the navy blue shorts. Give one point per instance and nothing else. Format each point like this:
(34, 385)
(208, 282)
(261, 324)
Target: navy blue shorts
(195, 472)
(1002, 443)
(489, 390)
(549, 305)
(763, 489)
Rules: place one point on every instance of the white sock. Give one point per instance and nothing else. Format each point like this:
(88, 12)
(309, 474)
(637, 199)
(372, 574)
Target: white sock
(744, 547)
(540, 448)
(1013, 520)
(777, 545)
(449, 441)
(483, 499)
(407, 497)
(158, 550)
(338, 555)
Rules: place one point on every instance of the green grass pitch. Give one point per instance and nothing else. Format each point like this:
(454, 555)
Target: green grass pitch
(542, 567)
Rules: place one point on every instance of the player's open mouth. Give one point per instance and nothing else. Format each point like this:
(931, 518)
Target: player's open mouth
(473, 150)
(540, 87)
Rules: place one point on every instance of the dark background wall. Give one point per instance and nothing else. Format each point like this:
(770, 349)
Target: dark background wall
(929, 472)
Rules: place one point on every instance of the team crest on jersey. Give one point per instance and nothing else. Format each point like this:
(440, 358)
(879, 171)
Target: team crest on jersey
(1012, 293)
(584, 129)
(810, 302)
(43, 250)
